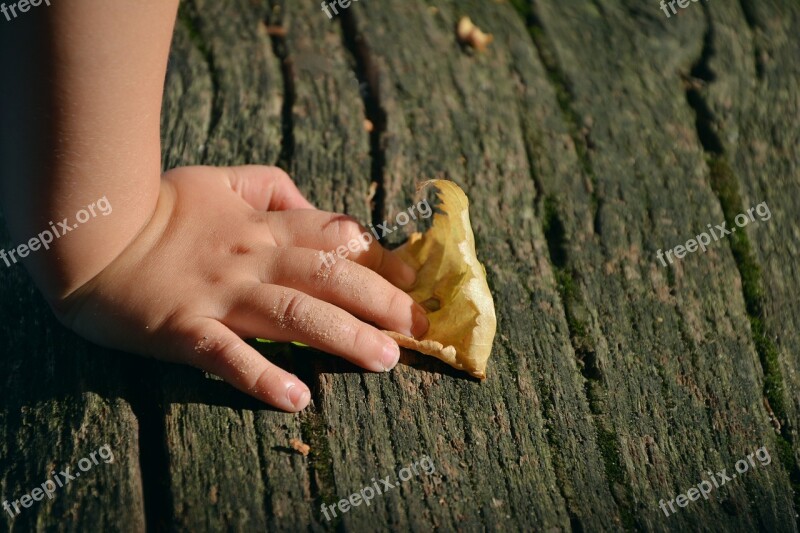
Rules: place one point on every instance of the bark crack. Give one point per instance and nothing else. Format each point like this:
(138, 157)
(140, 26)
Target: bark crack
(277, 34)
(146, 401)
(572, 301)
(321, 480)
(367, 73)
(752, 22)
(724, 183)
(187, 15)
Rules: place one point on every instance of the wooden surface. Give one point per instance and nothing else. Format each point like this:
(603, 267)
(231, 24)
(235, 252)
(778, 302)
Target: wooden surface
(588, 136)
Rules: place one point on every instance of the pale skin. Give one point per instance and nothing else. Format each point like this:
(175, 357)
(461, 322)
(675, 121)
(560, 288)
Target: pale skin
(192, 261)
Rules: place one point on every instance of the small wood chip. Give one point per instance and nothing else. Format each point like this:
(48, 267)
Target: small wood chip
(276, 31)
(300, 447)
(373, 188)
(469, 34)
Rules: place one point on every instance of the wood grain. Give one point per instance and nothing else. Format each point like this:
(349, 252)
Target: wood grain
(588, 136)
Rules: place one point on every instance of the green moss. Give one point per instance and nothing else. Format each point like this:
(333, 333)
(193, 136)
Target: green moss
(186, 15)
(607, 442)
(523, 7)
(596, 395)
(558, 81)
(723, 182)
(572, 300)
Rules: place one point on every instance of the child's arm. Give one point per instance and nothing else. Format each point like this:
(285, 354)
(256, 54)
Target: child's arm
(177, 266)
(100, 77)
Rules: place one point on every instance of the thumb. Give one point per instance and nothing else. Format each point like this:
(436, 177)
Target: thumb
(267, 188)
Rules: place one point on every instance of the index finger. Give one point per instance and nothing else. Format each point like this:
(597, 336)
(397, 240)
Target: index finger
(339, 237)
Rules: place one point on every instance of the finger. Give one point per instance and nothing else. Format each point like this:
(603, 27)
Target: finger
(284, 314)
(347, 285)
(267, 188)
(214, 348)
(339, 237)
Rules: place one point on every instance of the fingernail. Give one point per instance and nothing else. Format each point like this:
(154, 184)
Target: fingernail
(298, 396)
(391, 355)
(420, 322)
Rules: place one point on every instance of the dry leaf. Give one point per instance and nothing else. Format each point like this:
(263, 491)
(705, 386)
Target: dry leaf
(451, 285)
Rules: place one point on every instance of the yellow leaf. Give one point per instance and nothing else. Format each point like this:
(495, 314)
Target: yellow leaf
(451, 285)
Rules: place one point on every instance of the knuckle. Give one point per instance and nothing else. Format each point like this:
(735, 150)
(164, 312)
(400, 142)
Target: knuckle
(215, 350)
(259, 217)
(265, 380)
(361, 336)
(399, 304)
(291, 308)
(377, 258)
(346, 229)
(281, 176)
(178, 328)
(336, 275)
(231, 175)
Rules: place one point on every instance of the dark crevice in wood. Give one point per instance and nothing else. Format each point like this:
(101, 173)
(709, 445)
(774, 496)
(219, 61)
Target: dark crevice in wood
(386, 400)
(701, 73)
(468, 444)
(549, 414)
(187, 15)
(579, 132)
(367, 74)
(312, 422)
(750, 17)
(146, 401)
(599, 6)
(701, 69)
(724, 183)
(313, 432)
(555, 235)
(597, 203)
(281, 50)
(538, 188)
(263, 467)
(584, 348)
(320, 459)
(555, 238)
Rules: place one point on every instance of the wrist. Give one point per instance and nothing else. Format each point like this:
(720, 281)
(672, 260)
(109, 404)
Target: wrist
(66, 240)
(114, 254)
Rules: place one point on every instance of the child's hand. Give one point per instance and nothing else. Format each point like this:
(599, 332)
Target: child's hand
(234, 252)
(211, 264)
